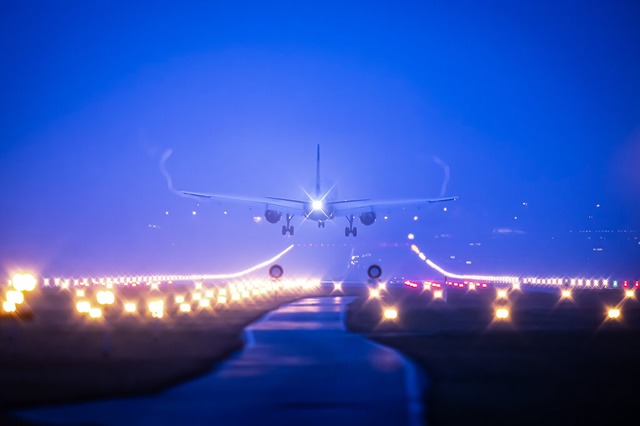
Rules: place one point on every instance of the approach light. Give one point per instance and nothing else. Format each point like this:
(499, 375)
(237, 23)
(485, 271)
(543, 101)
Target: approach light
(105, 297)
(316, 205)
(502, 293)
(95, 313)
(374, 293)
(204, 303)
(627, 293)
(8, 306)
(179, 299)
(24, 282)
(437, 294)
(566, 294)
(502, 313)
(83, 307)
(130, 307)
(613, 313)
(15, 297)
(391, 313)
(185, 307)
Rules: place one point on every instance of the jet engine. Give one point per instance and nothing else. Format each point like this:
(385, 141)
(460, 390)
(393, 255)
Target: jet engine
(367, 218)
(272, 216)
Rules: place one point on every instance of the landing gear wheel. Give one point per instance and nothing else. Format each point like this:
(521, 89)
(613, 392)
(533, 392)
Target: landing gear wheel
(347, 231)
(284, 230)
(291, 230)
(354, 231)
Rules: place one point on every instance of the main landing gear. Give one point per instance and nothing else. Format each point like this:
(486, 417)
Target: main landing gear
(350, 230)
(321, 224)
(288, 227)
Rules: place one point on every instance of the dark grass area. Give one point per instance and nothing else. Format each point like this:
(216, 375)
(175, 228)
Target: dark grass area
(552, 363)
(57, 356)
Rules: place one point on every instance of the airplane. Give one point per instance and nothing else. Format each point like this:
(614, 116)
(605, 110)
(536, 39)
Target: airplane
(318, 208)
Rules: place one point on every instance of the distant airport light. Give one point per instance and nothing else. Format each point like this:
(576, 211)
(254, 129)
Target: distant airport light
(198, 285)
(222, 299)
(613, 313)
(502, 293)
(437, 294)
(208, 294)
(337, 286)
(8, 306)
(391, 313)
(179, 299)
(374, 293)
(95, 313)
(156, 308)
(83, 306)
(196, 296)
(79, 293)
(629, 293)
(24, 282)
(204, 303)
(566, 294)
(130, 307)
(415, 218)
(411, 236)
(472, 286)
(105, 297)
(502, 313)
(185, 307)
(14, 296)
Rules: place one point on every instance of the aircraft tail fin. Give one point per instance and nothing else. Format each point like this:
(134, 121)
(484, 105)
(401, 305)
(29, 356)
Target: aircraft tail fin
(318, 172)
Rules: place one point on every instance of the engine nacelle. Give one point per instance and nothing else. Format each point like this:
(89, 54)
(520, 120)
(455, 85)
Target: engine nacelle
(272, 216)
(367, 218)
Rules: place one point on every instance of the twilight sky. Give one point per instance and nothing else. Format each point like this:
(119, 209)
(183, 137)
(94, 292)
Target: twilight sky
(534, 106)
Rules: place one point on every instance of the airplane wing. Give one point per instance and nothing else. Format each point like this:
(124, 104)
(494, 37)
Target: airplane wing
(348, 207)
(285, 205)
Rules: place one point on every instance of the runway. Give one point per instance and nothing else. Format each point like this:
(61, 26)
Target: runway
(299, 366)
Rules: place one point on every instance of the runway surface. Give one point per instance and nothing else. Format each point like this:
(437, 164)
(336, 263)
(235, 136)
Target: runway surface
(299, 366)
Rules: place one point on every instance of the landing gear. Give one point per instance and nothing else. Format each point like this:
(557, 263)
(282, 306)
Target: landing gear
(350, 230)
(288, 227)
(321, 224)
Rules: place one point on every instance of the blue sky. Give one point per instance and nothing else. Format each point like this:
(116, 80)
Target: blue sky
(535, 102)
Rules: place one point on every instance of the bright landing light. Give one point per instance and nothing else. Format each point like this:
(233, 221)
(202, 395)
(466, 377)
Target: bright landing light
(316, 204)
(613, 313)
(502, 313)
(390, 313)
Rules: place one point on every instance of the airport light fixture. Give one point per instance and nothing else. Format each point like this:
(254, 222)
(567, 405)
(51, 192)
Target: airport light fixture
(24, 282)
(95, 313)
(390, 314)
(179, 299)
(130, 307)
(204, 303)
(105, 297)
(374, 293)
(185, 307)
(502, 313)
(502, 293)
(629, 294)
(8, 306)
(613, 313)
(15, 297)
(437, 294)
(566, 294)
(83, 306)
